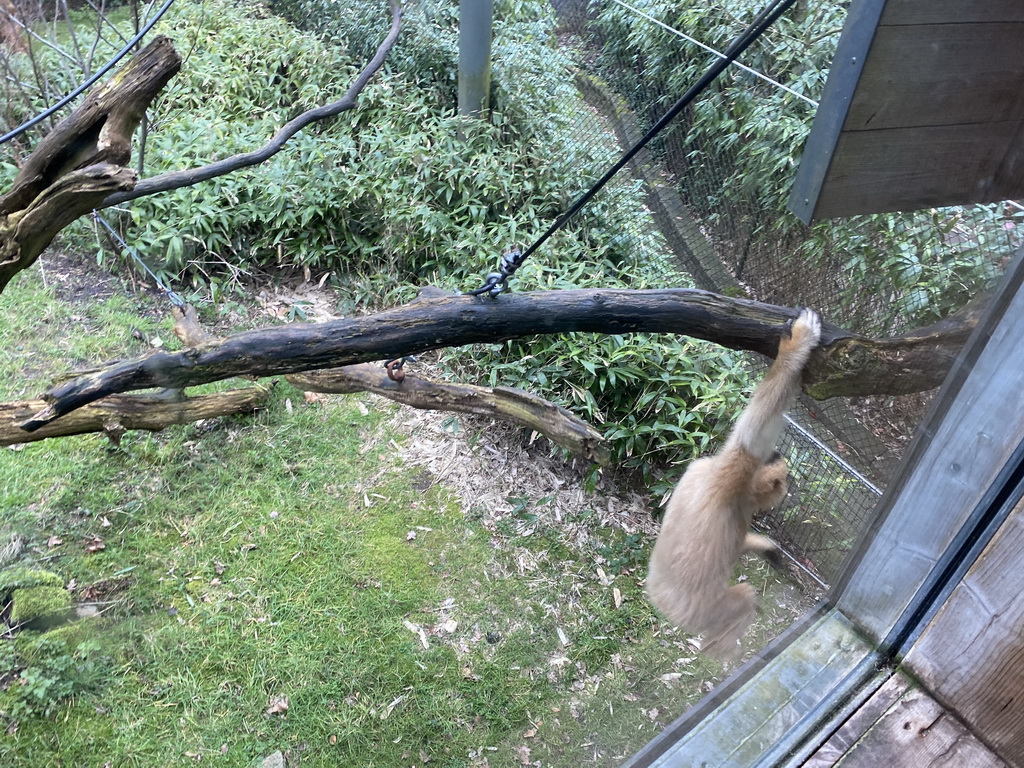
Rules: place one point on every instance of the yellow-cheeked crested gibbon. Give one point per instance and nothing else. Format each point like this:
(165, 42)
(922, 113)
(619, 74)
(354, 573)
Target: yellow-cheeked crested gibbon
(706, 523)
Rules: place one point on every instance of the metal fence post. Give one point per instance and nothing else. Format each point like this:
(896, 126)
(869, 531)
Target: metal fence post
(475, 21)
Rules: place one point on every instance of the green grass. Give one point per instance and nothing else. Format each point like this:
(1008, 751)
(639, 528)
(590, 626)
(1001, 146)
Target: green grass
(271, 557)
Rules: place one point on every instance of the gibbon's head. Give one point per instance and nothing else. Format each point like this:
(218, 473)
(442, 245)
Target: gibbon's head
(771, 483)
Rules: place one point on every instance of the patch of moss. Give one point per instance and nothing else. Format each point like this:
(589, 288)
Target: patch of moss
(39, 605)
(24, 576)
(35, 647)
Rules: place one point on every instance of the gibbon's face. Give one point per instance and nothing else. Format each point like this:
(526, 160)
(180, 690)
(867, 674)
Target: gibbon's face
(771, 483)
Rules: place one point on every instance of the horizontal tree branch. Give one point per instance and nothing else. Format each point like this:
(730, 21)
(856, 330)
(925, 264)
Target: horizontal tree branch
(501, 403)
(118, 413)
(451, 321)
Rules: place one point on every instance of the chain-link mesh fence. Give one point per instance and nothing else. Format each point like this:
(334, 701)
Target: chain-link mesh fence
(715, 184)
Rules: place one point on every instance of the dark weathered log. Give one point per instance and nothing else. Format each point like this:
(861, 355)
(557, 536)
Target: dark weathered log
(116, 414)
(502, 403)
(430, 324)
(458, 320)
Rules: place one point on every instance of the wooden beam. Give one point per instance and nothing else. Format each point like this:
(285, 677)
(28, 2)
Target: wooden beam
(910, 168)
(901, 725)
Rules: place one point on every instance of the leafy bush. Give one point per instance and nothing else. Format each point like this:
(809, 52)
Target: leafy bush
(400, 190)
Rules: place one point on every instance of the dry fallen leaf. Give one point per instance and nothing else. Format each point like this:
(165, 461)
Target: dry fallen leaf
(391, 707)
(530, 733)
(95, 544)
(419, 631)
(278, 706)
(54, 541)
(105, 522)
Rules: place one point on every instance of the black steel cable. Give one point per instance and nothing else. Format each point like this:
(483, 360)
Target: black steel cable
(495, 282)
(88, 83)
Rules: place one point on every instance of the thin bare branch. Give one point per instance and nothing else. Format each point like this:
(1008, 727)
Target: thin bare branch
(177, 179)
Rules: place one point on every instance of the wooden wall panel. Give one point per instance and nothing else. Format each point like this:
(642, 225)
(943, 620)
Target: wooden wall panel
(940, 74)
(951, 11)
(971, 656)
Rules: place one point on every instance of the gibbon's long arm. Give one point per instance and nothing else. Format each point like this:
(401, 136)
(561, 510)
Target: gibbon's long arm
(760, 425)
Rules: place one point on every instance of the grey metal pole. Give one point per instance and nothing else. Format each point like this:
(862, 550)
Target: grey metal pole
(475, 22)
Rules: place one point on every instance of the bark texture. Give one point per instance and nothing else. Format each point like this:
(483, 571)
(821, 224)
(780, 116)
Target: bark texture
(117, 414)
(82, 160)
(432, 323)
(501, 403)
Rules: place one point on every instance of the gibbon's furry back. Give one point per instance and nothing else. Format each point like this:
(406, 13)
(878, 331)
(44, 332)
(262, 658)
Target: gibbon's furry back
(707, 520)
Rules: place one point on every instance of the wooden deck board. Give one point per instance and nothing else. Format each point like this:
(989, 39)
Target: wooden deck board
(901, 725)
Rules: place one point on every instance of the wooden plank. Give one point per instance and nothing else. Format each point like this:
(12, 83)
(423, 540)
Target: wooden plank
(911, 168)
(917, 733)
(951, 11)
(950, 466)
(858, 724)
(971, 654)
(762, 711)
(940, 74)
(901, 725)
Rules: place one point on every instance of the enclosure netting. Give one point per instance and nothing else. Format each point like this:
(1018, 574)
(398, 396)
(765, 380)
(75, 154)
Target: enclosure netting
(717, 196)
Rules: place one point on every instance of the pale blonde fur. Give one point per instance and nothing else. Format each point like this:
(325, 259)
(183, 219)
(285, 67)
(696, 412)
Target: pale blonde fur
(706, 522)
